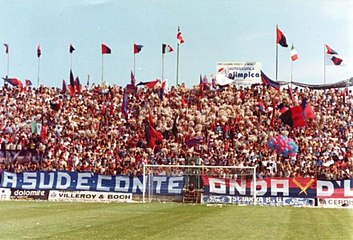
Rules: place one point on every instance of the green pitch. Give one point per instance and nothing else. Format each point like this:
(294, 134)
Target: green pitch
(52, 220)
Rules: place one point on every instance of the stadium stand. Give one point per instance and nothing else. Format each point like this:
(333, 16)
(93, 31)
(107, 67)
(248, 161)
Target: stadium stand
(47, 129)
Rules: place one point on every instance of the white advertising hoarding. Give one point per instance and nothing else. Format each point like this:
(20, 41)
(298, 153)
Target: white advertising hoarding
(239, 73)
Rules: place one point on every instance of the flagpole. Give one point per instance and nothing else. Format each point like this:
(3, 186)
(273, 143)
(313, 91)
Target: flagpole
(38, 71)
(276, 56)
(134, 64)
(162, 66)
(291, 74)
(70, 60)
(102, 66)
(177, 73)
(8, 64)
(324, 66)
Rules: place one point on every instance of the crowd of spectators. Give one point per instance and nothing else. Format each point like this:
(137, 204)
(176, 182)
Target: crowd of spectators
(46, 129)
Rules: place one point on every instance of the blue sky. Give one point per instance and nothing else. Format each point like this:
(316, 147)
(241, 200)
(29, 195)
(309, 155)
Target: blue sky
(214, 31)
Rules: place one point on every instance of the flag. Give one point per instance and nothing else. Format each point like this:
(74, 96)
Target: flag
(281, 39)
(28, 82)
(149, 84)
(201, 86)
(106, 49)
(131, 88)
(296, 116)
(180, 37)
(308, 112)
(71, 48)
(330, 50)
(268, 82)
(43, 132)
(132, 79)
(72, 84)
(293, 54)
(64, 87)
(137, 48)
(282, 108)
(336, 60)
(332, 60)
(154, 135)
(193, 141)
(14, 82)
(166, 48)
(39, 51)
(124, 104)
(286, 118)
(6, 48)
(77, 85)
(34, 127)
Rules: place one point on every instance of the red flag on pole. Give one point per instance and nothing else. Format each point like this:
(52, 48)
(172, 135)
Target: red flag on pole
(281, 39)
(6, 48)
(137, 48)
(71, 48)
(39, 51)
(72, 84)
(106, 49)
(180, 37)
(329, 50)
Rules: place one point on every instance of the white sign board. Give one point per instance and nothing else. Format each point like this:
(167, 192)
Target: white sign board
(239, 73)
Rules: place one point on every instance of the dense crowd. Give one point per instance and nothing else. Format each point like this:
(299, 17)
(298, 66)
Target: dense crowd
(47, 129)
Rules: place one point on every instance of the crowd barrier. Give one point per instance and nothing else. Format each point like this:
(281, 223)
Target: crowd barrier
(87, 186)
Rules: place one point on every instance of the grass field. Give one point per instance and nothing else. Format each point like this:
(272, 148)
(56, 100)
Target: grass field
(53, 220)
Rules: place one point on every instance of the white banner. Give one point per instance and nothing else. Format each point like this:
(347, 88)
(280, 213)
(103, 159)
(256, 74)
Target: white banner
(5, 193)
(89, 196)
(240, 73)
(335, 202)
(270, 201)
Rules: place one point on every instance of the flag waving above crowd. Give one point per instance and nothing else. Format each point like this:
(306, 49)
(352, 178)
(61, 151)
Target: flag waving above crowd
(180, 37)
(281, 39)
(330, 51)
(166, 48)
(6, 48)
(293, 54)
(105, 49)
(39, 51)
(137, 48)
(332, 56)
(71, 48)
